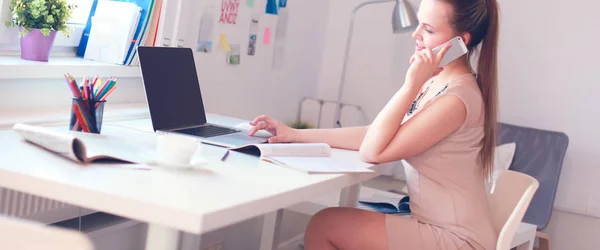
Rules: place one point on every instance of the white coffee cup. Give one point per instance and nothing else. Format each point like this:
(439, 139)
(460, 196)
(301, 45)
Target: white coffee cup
(175, 150)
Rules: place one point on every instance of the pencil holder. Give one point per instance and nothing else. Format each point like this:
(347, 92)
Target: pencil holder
(86, 115)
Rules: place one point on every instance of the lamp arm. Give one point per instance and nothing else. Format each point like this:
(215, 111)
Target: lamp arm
(338, 107)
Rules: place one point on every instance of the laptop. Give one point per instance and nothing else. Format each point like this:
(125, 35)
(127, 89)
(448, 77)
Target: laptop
(174, 99)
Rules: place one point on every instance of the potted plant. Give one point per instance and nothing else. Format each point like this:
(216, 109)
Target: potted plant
(38, 22)
(301, 125)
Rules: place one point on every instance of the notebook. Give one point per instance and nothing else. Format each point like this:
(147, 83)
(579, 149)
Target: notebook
(310, 158)
(112, 30)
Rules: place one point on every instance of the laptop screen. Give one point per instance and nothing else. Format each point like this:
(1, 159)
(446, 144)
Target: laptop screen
(172, 88)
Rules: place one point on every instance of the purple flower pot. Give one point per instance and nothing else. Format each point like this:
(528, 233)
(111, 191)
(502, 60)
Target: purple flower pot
(35, 46)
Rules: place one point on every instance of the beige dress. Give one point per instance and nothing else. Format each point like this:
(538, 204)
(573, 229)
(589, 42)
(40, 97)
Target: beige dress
(447, 193)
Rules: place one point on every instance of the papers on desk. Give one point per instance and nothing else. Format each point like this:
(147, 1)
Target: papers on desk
(311, 158)
(83, 147)
(317, 165)
(286, 149)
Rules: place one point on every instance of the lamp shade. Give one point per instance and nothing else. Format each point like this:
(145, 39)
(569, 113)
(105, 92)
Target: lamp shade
(403, 18)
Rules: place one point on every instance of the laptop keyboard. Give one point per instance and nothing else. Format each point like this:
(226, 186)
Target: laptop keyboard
(208, 131)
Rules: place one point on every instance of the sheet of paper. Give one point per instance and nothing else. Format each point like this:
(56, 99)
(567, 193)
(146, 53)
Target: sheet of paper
(319, 165)
(295, 149)
(267, 36)
(250, 3)
(280, 39)
(205, 34)
(224, 43)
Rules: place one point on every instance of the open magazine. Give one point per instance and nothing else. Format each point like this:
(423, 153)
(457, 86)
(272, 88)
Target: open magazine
(387, 207)
(83, 147)
(312, 158)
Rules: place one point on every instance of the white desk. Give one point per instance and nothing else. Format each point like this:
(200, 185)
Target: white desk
(170, 201)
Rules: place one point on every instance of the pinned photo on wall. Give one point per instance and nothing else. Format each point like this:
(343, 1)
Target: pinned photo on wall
(280, 39)
(229, 11)
(234, 56)
(205, 34)
(272, 7)
(267, 36)
(253, 35)
(223, 43)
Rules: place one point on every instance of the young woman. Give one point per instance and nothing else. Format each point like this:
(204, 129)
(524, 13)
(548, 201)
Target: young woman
(442, 123)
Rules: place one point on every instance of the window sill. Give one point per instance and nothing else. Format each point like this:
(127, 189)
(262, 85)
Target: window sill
(13, 67)
(61, 116)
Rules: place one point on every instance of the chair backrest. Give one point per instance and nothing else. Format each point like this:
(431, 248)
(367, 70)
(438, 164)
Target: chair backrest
(539, 154)
(21, 234)
(509, 198)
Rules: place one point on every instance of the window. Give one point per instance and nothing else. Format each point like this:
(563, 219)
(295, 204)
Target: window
(81, 13)
(9, 40)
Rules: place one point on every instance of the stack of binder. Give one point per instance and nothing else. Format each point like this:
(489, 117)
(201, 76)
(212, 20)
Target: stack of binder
(116, 27)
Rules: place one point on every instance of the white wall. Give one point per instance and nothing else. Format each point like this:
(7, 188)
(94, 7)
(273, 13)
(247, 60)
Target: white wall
(254, 87)
(377, 61)
(547, 80)
(34, 95)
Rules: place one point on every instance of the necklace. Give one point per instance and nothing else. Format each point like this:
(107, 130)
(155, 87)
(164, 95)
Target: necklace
(416, 102)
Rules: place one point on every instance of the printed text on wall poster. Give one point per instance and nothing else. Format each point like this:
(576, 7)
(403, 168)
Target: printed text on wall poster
(229, 11)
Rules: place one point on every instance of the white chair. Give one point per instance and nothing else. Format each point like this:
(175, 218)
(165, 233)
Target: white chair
(21, 234)
(509, 199)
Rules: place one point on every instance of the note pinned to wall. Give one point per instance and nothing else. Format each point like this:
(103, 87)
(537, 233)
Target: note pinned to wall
(233, 56)
(229, 11)
(267, 36)
(205, 35)
(223, 43)
(280, 39)
(252, 37)
(272, 7)
(250, 3)
(282, 3)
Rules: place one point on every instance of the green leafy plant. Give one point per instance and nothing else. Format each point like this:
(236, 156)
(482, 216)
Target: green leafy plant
(45, 15)
(301, 125)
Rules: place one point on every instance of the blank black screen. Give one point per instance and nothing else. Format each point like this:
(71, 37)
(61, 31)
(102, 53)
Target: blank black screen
(172, 88)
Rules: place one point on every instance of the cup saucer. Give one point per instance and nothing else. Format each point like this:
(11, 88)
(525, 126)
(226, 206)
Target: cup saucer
(196, 163)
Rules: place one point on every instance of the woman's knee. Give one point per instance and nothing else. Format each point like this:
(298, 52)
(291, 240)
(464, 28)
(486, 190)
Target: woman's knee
(322, 220)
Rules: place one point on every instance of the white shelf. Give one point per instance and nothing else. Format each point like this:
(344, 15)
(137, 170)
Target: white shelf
(61, 116)
(13, 67)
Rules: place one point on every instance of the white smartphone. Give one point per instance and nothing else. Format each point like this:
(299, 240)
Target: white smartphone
(457, 50)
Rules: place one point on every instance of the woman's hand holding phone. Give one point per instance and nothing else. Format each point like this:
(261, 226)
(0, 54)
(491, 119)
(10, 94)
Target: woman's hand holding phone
(424, 65)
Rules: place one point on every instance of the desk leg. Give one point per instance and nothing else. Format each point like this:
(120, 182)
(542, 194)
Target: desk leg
(161, 238)
(271, 228)
(349, 196)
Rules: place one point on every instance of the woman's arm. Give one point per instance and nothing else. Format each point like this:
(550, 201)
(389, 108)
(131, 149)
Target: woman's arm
(346, 138)
(386, 124)
(387, 139)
